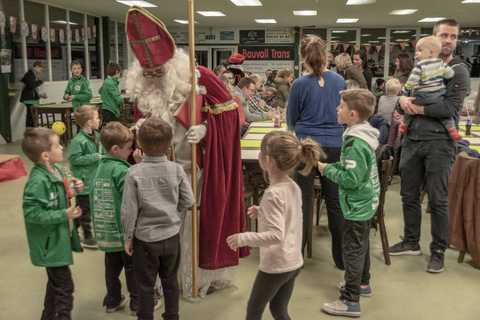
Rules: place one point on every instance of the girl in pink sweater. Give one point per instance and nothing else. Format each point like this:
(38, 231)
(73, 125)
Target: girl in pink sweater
(280, 223)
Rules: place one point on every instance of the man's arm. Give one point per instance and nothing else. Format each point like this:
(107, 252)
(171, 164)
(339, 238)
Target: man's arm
(129, 211)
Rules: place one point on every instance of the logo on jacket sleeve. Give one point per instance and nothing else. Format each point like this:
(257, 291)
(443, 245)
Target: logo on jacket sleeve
(350, 164)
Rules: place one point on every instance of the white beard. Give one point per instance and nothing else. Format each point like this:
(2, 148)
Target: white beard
(160, 96)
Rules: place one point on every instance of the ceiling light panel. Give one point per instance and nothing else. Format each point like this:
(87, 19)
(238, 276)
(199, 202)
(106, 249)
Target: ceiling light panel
(181, 21)
(264, 21)
(304, 12)
(211, 13)
(138, 3)
(247, 3)
(359, 2)
(470, 1)
(347, 20)
(431, 19)
(403, 12)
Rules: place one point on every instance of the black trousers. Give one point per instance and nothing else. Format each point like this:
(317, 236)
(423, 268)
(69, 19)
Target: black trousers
(356, 255)
(29, 118)
(152, 259)
(84, 221)
(58, 303)
(108, 116)
(115, 262)
(273, 288)
(330, 192)
(425, 165)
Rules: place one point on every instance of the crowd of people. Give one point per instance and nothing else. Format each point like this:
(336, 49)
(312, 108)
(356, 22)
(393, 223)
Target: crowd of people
(336, 120)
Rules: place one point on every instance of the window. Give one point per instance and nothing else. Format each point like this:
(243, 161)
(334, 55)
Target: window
(468, 47)
(78, 46)
(94, 46)
(11, 10)
(122, 48)
(58, 43)
(401, 41)
(37, 34)
(342, 40)
(372, 48)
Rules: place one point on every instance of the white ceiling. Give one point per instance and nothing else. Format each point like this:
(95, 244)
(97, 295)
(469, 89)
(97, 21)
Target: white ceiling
(281, 10)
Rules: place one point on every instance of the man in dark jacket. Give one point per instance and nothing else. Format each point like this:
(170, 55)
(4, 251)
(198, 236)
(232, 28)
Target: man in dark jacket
(428, 154)
(30, 96)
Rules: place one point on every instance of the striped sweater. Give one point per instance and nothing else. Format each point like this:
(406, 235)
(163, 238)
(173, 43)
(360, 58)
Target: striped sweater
(428, 76)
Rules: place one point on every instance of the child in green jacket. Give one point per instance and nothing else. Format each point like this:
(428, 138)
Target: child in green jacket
(84, 155)
(47, 220)
(112, 100)
(106, 201)
(357, 177)
(78, 90)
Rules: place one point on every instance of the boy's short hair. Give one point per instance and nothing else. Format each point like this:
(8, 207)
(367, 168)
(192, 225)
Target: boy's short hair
(113, 68)
(393, 87)
(432, 43)
(36, 141)
(38, 64)
(115, 134)
(245, 82)
(155, 136)
(360, 100)
(76, 63)
(84, 113)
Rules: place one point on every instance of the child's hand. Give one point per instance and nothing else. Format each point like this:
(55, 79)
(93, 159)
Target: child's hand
(252, 212)
(73, 212)
(232, 241)
(138, 155)
(129, 247)
(69, 98)
(321, 166)
(78, 184)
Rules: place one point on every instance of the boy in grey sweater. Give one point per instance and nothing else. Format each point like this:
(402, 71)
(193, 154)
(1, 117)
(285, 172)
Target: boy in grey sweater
(156, 192)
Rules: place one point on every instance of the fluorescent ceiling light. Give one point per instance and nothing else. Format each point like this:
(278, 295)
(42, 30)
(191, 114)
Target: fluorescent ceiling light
(366, 35)
(381, 38)
(211, 13)
(138, 3)
(65, 22)
(304, 12)
(265, 21)
(247, 3)
(402, 31)
(470, 1)
(339, 31)
(373, 41)
(347, 20)
(402, 40)
(359, 2)
(431, 19)
(403, 12)
(181, 21)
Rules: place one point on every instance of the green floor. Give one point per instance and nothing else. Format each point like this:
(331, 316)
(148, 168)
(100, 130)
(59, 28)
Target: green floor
(401, 291)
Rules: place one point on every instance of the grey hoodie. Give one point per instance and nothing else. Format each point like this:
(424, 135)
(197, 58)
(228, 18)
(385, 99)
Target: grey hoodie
(364, 131)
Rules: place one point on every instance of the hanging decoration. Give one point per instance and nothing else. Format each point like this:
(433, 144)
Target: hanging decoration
(61, 36)
(34, 31)
(77, 35)
(2, 22)
(52, 35)
(44, 34)
(24, 30)
(83, 34)
(89, 33)
(13, 25)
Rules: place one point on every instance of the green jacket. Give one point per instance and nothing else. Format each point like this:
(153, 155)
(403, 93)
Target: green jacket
(357, 174)
(106, 201)
(45, 210)
(79, 88)
(84, 153)
(112, 100)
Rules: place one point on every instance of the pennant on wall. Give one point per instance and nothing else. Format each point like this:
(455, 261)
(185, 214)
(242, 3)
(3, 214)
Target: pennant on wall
(52, 35)
(61, 36)
(13, 24)
(89, 33)
(34, 31)
(44, 34)
(77, 35)
(2, 22)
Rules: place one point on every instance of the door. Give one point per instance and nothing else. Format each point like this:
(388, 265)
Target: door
(202, 56)
(221, 55)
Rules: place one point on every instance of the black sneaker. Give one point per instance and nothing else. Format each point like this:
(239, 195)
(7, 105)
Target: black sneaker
(436, 264)
(404, 249)
(119, 306)
(90, 243)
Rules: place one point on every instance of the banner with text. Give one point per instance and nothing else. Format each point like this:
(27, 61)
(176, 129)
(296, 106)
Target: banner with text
(258, 59)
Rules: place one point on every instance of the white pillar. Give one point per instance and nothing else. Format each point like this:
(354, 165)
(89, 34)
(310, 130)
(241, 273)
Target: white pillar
(116, 42)
(86, 49)
(102, 59)
(23, 37)
(49, 48)
(386, 63)
(69, 44)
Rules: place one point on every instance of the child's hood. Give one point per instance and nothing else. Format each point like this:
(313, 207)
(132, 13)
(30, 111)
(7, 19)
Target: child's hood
(365, 132)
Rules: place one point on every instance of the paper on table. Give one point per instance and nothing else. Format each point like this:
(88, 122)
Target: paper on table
(250, 144)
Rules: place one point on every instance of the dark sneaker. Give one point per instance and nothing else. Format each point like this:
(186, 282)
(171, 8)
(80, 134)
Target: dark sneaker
(436, 264)
(90, 243)
(342, 308)
(365, 289)
(404, 249)
(119, 306)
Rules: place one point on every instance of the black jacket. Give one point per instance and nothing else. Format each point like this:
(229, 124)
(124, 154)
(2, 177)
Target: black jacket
(429, 126)
(31, 83)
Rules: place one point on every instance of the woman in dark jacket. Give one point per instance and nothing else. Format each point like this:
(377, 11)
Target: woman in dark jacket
(30, 96)
(360, 61)
(349, 71)
(403, 67)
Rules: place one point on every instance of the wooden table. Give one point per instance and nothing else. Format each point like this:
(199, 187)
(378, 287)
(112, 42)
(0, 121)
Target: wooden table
(252, 139)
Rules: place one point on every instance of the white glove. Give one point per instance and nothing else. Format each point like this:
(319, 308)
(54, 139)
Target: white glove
(196, 133)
